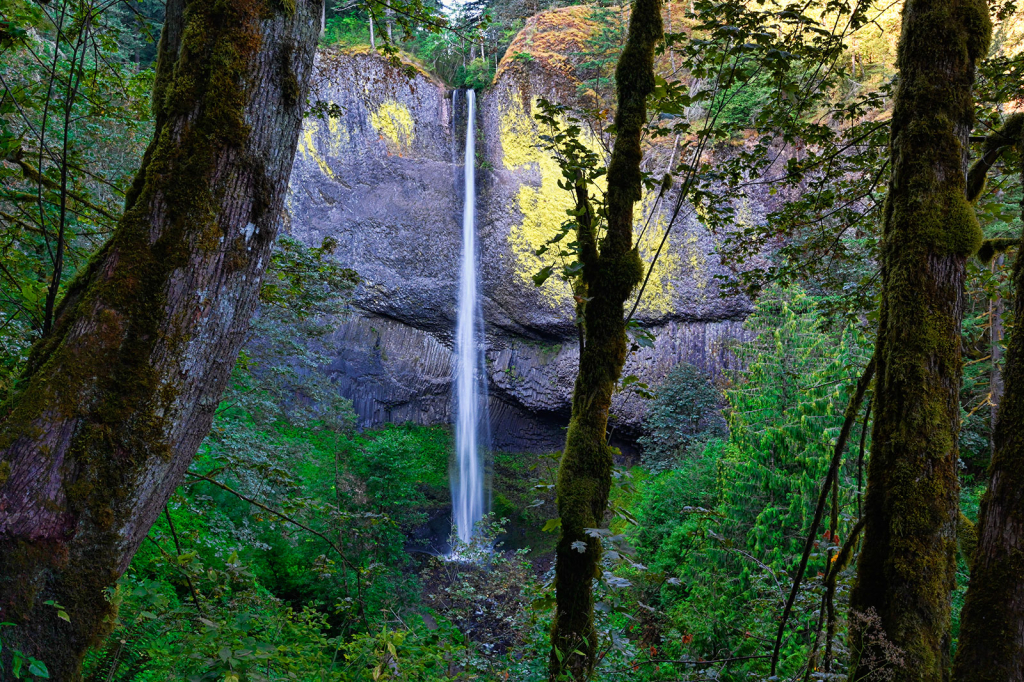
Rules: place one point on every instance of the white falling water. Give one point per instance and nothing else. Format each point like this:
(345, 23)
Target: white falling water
(468, 476)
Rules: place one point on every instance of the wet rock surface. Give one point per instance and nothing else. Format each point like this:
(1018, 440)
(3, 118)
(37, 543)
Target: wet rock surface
(383, 180)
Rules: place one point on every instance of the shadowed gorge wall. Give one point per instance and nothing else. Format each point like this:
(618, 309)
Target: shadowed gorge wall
(383, 180)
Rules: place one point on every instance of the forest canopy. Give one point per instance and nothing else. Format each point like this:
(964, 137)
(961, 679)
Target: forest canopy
(192, 484)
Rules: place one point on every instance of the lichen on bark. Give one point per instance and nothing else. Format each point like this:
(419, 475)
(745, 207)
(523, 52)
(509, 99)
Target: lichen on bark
(611, 270)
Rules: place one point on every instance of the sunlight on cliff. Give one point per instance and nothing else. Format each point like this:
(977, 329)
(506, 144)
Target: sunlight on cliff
(394, 123)
(543, 210)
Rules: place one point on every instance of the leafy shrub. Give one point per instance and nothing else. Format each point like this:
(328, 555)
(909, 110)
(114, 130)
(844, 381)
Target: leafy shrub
(346, 31)
(725, 525)
(477, 75)
(663, 500)
(686, 410)
(742, 102)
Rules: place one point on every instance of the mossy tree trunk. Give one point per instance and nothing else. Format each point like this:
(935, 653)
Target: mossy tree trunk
(611, 271)
(906, 568)
(118, 396)
(991, 644)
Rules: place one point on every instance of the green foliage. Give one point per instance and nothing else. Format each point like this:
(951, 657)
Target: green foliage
(306, 281)
(784, 418)
(74, 120)
(299, 569)
(686, 410)
(601, 54)
(346, 31)
(477, 75)
(23, 667)
(403, 468)
(721, 529)
(743, 101)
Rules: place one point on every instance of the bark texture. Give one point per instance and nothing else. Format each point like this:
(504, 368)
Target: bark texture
(118, 396)
(611, 271)
(906, 569)
(991, 644)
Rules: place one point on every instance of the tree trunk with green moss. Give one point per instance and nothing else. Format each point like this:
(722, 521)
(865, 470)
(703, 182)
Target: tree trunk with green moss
(906, 569)
(118, 396)
(611, 271)
(991, 644)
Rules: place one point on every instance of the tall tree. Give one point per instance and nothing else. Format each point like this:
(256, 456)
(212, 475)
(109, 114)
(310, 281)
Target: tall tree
(991, 644)
(611, 270)
(118, 395)
(905, 572)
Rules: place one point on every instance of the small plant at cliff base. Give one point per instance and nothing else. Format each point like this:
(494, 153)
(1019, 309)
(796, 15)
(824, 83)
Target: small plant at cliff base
(686, 409)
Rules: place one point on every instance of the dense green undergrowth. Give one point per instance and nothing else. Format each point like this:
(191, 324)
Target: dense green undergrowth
(285, 555)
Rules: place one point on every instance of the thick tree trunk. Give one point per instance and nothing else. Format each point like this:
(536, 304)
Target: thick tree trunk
(118, 397)
(991, 645)
(906, 567)
(609, 276)
(995, 313)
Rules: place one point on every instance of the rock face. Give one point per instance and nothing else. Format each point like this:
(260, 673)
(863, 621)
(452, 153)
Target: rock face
(384, 180)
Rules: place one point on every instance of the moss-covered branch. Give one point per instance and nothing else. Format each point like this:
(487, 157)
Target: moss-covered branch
(907, 565)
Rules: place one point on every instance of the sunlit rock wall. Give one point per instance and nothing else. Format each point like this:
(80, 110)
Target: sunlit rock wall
(384, 180)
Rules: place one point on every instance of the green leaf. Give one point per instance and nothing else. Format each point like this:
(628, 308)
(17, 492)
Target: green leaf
(38, 668)
(542, 276)
(552, 525)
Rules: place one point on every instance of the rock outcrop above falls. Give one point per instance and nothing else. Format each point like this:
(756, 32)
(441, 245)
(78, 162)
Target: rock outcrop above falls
(384, 180)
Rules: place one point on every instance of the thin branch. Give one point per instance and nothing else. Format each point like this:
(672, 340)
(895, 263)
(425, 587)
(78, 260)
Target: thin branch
(833, 470)
(292, 521)
(177, 548)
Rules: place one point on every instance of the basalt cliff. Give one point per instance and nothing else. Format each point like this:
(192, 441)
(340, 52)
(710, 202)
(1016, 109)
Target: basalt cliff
(384, 180)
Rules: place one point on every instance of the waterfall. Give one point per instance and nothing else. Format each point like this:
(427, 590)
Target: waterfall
(468, 479)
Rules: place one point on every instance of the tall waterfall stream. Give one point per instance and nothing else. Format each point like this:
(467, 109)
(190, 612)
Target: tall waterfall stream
(468, 476)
